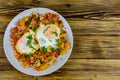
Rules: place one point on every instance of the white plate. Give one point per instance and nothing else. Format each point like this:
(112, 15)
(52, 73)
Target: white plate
(9, 50)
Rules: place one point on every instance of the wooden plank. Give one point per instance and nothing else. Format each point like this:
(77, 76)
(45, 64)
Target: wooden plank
(96, 47)
(94, 27)
(100, 65)
(91, 9)
(79, 75)
(4, 21)
(95, 39)
(82, 69)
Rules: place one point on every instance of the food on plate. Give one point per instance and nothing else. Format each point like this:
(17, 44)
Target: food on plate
(38, 40)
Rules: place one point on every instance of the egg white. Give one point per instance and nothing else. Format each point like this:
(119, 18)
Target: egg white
(43, 40)
(22, 47)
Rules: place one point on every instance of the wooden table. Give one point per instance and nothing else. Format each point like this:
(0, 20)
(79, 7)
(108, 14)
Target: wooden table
(96, 29)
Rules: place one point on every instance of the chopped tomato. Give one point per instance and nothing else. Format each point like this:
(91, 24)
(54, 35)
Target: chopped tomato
(14, 39)
(22, 22)
(37, 68)
(18, 55)
(44, 56)
(55, 17)
(53, 53)
(50, 17)
(13, 36)
(67, 45)
(56, 55)
(28, 61)
(14, 30)
(22, 59)
(33, 23)
(26, 64)
(45, 21)
(59, 22)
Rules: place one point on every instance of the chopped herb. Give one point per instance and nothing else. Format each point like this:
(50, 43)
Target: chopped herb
(62, 25)
(52, 49)
(24, 54)
(37, 63)
(49, 60)
(29, 37)
(56, 34)
(56, 39)
(28, 22)
(44, 24)
(30, 54)
(17, 35)
(50, 40)
(60, 41)
(34, 28)
(46, 29)
(43, 49)
(58, 50)
(51, 22)
(29, 42)
(36, 18)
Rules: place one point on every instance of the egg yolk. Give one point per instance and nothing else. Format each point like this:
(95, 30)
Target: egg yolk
(49, 31)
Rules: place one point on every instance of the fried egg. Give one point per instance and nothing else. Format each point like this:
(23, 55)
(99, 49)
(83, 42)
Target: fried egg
(26, 44)
(46, 35)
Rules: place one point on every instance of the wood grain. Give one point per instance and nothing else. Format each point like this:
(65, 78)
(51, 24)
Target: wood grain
(81, 69)
(96, 29)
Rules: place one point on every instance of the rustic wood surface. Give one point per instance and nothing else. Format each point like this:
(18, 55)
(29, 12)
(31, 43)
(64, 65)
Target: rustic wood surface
(96, 29)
